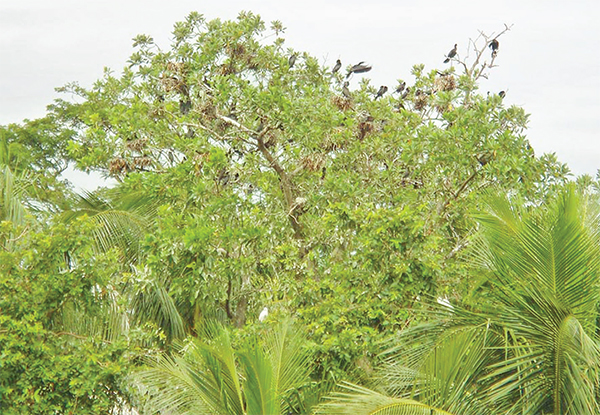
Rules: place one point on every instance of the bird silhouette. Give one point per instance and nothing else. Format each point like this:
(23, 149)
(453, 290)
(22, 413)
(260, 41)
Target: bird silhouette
(451, 54)
(359, 68)
(405, 94)
(346, 91)
(292, 60)
(401, 87)
(382, 90)
(494, 46)
(338, 65)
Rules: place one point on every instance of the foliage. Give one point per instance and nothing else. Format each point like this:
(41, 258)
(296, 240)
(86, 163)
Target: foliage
(528, 345)
(59, 350)
(211, 377)
(247, 180)
(37, 150)
(276, 189)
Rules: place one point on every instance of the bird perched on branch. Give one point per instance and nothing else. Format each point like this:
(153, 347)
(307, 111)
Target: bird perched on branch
(338, 65)
(494, 45)
(346, 91)
(401, 87)
(263, 314)
(451, 54)
(359, 68)
(292, 60)
(382, 90)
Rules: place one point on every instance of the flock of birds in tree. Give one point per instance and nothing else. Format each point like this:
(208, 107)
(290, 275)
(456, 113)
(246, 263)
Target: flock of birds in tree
(362, 67)
(402, 89)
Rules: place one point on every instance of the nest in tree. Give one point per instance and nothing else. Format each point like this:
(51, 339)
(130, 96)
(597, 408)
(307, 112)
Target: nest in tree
(171, 83)
(118, 166)
(208, 110)
(343, 103)
(421, 101)
(141, 162)
(137, 145)
(313, 162)
(443, 107)
(444, 83)
(176, 67)
(365, 127)
(235, 49)
(227, 68)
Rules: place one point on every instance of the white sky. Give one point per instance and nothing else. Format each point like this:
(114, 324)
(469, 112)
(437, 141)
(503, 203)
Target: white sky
(549, 63)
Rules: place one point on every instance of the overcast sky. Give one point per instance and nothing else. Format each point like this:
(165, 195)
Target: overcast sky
(549, 62)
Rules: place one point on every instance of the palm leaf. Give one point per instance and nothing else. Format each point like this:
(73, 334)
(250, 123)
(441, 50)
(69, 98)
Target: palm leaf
(356, 400)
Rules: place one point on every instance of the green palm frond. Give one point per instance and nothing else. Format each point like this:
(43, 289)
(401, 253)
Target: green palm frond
(290, 358)
(259, 384)
(122, 218)
(203, 379)
(355, 400)
(442, 363)
(527, 343)
(209, 375)
(151, 302)
(13, 195)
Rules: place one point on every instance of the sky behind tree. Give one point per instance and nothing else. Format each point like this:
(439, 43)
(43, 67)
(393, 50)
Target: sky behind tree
(548, 62)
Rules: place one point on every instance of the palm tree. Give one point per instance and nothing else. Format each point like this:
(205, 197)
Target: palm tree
(528, 345)
(211, 377)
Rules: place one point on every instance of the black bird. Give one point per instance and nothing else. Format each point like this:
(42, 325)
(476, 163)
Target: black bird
(502, 94)
(401, 87)
(406, 91)
(382, 90)
(494, 45)
(359, 68)
(346, 91)
(292, 60)
(338, 65)
(451, 54)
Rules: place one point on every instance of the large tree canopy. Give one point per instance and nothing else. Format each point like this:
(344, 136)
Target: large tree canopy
(251, 175)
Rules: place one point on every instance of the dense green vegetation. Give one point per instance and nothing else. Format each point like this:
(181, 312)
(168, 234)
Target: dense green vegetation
(396, 279)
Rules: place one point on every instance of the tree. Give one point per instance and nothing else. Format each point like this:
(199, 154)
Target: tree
(61, 327)
(274, 187)
(528, 343)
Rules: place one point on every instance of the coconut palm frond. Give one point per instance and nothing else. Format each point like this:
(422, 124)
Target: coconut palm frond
(122, 220)
(13, 190)
(356, 400)
(152, 302)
